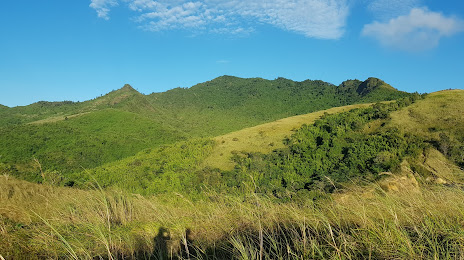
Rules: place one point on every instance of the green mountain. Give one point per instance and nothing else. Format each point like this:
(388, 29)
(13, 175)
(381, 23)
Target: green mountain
(372, 89)
(70, 136)
(228, 103)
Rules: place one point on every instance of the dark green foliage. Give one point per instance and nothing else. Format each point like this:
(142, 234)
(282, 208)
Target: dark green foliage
(228, 103)
(371, 90)
(219, 106)
(335, 149)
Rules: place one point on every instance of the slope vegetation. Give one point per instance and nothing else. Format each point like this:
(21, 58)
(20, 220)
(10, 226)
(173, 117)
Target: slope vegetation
(65, 137)
(186, 165)
(227, 103)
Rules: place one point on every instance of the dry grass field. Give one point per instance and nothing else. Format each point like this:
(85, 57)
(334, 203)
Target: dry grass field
(43, 222)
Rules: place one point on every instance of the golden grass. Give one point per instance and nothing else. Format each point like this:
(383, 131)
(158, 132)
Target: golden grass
(439, 113)
(263, 138)
(40, 221)
(439, 110)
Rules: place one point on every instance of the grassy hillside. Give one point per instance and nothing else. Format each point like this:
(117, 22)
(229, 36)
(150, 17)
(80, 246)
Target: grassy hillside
(189, 165)
(362, 145)
(440, 120)
(126, 98)
(335, 149)
(258, 99)
(168, 168)
(37, 111)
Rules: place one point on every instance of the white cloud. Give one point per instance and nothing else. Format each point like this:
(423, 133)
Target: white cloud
(324, 19)
(103, 7)
(420, 30)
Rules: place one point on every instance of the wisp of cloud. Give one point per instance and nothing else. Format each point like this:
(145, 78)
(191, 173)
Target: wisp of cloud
(322, 19)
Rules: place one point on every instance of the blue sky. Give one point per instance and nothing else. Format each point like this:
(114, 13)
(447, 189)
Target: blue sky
(76, 50)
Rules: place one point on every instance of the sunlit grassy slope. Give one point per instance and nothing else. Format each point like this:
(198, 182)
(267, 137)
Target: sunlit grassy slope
(262, 138)
(439, 119)
(440, 111)
(191, 165)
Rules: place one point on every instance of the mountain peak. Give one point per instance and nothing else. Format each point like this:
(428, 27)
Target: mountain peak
(126, 90)
(371, 89)
(373, 83)
(127, 87)
(117, 96)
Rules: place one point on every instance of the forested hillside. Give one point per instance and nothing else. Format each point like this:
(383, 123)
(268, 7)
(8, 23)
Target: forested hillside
(65, 137)
(319, 157)
(228, 103)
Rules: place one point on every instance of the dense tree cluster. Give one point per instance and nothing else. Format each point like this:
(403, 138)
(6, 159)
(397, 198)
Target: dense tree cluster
(338, 148)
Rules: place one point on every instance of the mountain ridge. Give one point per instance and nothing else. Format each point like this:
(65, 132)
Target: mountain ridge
(128, 89)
